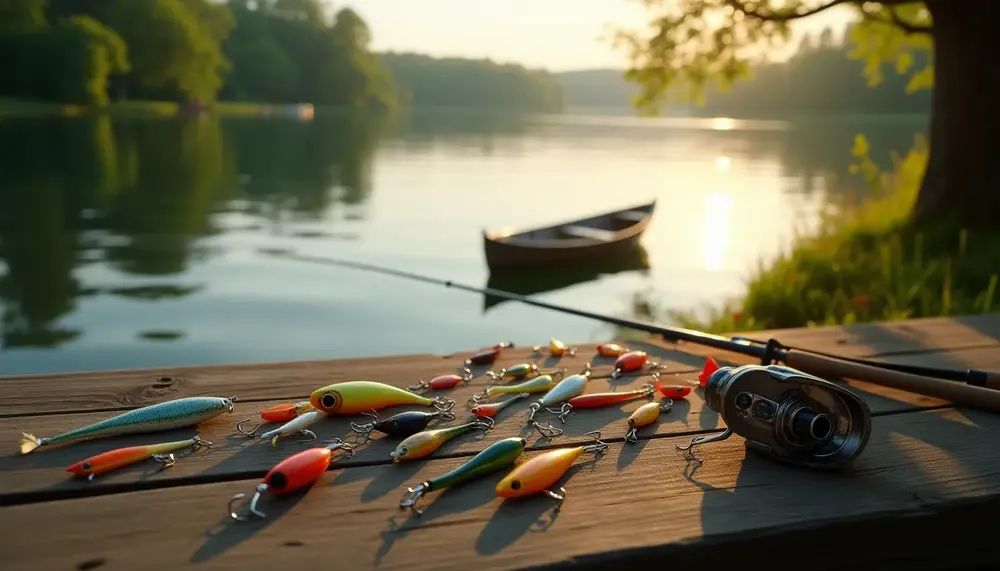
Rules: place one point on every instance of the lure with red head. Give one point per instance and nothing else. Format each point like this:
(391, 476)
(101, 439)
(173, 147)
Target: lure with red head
(631, 362)
(489, 355)
(284, 412)
(291, 474)
(493, 409)
(443, 382)
(597, 400)
(672, 391)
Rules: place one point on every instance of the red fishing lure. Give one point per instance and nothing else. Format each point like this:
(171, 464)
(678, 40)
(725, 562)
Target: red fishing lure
(489, 355)
(631, 362)
(443, 382)
(710, 367)
(291, 474)
(493, 409)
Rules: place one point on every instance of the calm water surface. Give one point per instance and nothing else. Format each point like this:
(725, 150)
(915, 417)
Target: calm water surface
(136, 243)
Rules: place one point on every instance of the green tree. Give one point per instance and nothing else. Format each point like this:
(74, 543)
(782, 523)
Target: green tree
(696, 41)
(82, 54)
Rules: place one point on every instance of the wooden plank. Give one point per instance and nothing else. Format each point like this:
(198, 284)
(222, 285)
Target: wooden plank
(638, 503)
(882, 338)
(119, 390)
(40, 475)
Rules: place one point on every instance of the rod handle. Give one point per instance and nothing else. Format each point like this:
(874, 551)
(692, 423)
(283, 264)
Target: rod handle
(958, 393)
(992, 381)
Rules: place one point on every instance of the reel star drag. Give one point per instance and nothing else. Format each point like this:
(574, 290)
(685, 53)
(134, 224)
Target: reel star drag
(792, 416)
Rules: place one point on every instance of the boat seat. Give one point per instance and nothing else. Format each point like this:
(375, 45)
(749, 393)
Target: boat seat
(592, 233)
(632, 215)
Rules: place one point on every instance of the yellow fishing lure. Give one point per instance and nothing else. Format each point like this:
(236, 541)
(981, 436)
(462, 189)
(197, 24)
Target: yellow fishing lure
(356, 397)
(539, 474)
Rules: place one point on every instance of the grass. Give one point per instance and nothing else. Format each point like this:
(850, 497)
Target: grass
(864, 263)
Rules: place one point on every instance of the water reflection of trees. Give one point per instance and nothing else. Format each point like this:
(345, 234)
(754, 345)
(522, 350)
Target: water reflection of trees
(140, 195)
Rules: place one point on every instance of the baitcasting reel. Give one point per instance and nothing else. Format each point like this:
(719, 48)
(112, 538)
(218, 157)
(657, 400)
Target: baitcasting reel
(792, 416)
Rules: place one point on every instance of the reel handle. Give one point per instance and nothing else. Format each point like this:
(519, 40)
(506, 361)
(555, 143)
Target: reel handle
(958, 393)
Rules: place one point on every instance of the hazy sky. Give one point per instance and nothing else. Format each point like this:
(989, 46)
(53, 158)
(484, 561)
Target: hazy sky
(555, 34)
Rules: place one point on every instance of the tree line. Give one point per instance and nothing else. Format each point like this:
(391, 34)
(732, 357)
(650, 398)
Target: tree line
(94, 52)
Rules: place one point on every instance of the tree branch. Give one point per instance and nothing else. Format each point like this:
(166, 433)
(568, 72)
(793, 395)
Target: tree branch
(895, 20)
(741, 6)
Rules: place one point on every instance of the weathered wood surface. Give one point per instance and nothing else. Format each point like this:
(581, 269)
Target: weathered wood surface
(637, 502)
(636, 496)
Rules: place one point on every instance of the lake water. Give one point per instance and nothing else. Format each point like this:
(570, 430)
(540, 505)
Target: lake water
(138, 242)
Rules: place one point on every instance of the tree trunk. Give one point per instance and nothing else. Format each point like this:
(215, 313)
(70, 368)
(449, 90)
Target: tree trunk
(962, 181)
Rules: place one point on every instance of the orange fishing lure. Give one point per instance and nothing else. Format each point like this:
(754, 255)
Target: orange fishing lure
(597, 400)
(291, 474)
(493, 409)
(284, 412)
(121, 457)
(539, 474)
(672, 391)
(610, 350)
(556, 349)
(644, 416)
(631, 362)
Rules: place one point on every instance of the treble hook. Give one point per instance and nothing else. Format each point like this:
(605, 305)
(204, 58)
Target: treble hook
(260, 489)
(249, 433)
(168, 460)
(546, 431)
(476, 397)
(411, 497)
(366, 428)
(485, 422)
(443, 404)
(562, 412)
(703, 440)
(598, 447)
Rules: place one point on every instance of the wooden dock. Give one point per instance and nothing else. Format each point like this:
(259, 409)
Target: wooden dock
(924, 494)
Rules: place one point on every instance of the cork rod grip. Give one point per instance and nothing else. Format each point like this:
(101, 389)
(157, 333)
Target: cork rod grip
(958, 393)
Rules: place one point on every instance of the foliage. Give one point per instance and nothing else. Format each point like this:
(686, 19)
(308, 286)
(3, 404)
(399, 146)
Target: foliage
(865, 263)
(454, 82)
(694, 44)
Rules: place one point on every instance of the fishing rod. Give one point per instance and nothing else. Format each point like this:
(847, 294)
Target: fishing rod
(971, 387)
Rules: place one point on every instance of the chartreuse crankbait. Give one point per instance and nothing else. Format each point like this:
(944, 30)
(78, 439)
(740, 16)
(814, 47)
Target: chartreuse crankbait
(400, 425)
(162, 416)
(571, 386)
(293, 473)
(644, 416)
(493, 409)
(121, 457)
(611, 350)
(497, 456)
(355, 397)
(442, 382)
(423, 443)
(556, 349)
(539, 474)
(523, 371)
(631, 362)
(539, 384)
(597, 400)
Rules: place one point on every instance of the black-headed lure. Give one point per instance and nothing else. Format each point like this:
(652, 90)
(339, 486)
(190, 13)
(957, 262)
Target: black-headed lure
(400, 425)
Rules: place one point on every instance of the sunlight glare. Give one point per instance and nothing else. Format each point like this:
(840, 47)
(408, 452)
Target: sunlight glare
(723, 124)
(717, 236)
(722, 163)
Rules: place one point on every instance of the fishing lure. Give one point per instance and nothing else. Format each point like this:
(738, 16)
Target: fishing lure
(284, 412)
(644, 416)
(493, 409)
(631, 362)
(401, 425)
(710, 367)
(354, 397)
(497, 456)
(489, 355)
(539, 384)
(293, 473)
(556, 349)
(672, 391)
(597, 400)
(423, 443)
(522, 371)
(610, 350)
(442, 382)
(540, 473)
(162, 416)
(570, 387)
(298, 425)
(121, 457)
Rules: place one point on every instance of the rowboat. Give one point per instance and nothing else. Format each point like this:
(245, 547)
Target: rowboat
(533, 283)
(604, 235)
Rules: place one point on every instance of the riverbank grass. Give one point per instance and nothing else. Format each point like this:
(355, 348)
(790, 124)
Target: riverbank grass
(865, 263)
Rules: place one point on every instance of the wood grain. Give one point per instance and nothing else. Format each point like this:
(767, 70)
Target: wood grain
(41, 475)
(119, 390)
(640, 502)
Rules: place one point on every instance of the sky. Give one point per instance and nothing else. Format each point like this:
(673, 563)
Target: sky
(554, 34)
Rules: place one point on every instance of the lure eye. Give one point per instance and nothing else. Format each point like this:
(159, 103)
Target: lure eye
(86, 466)
(515, 485)
(330, 401)
(404, 451)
